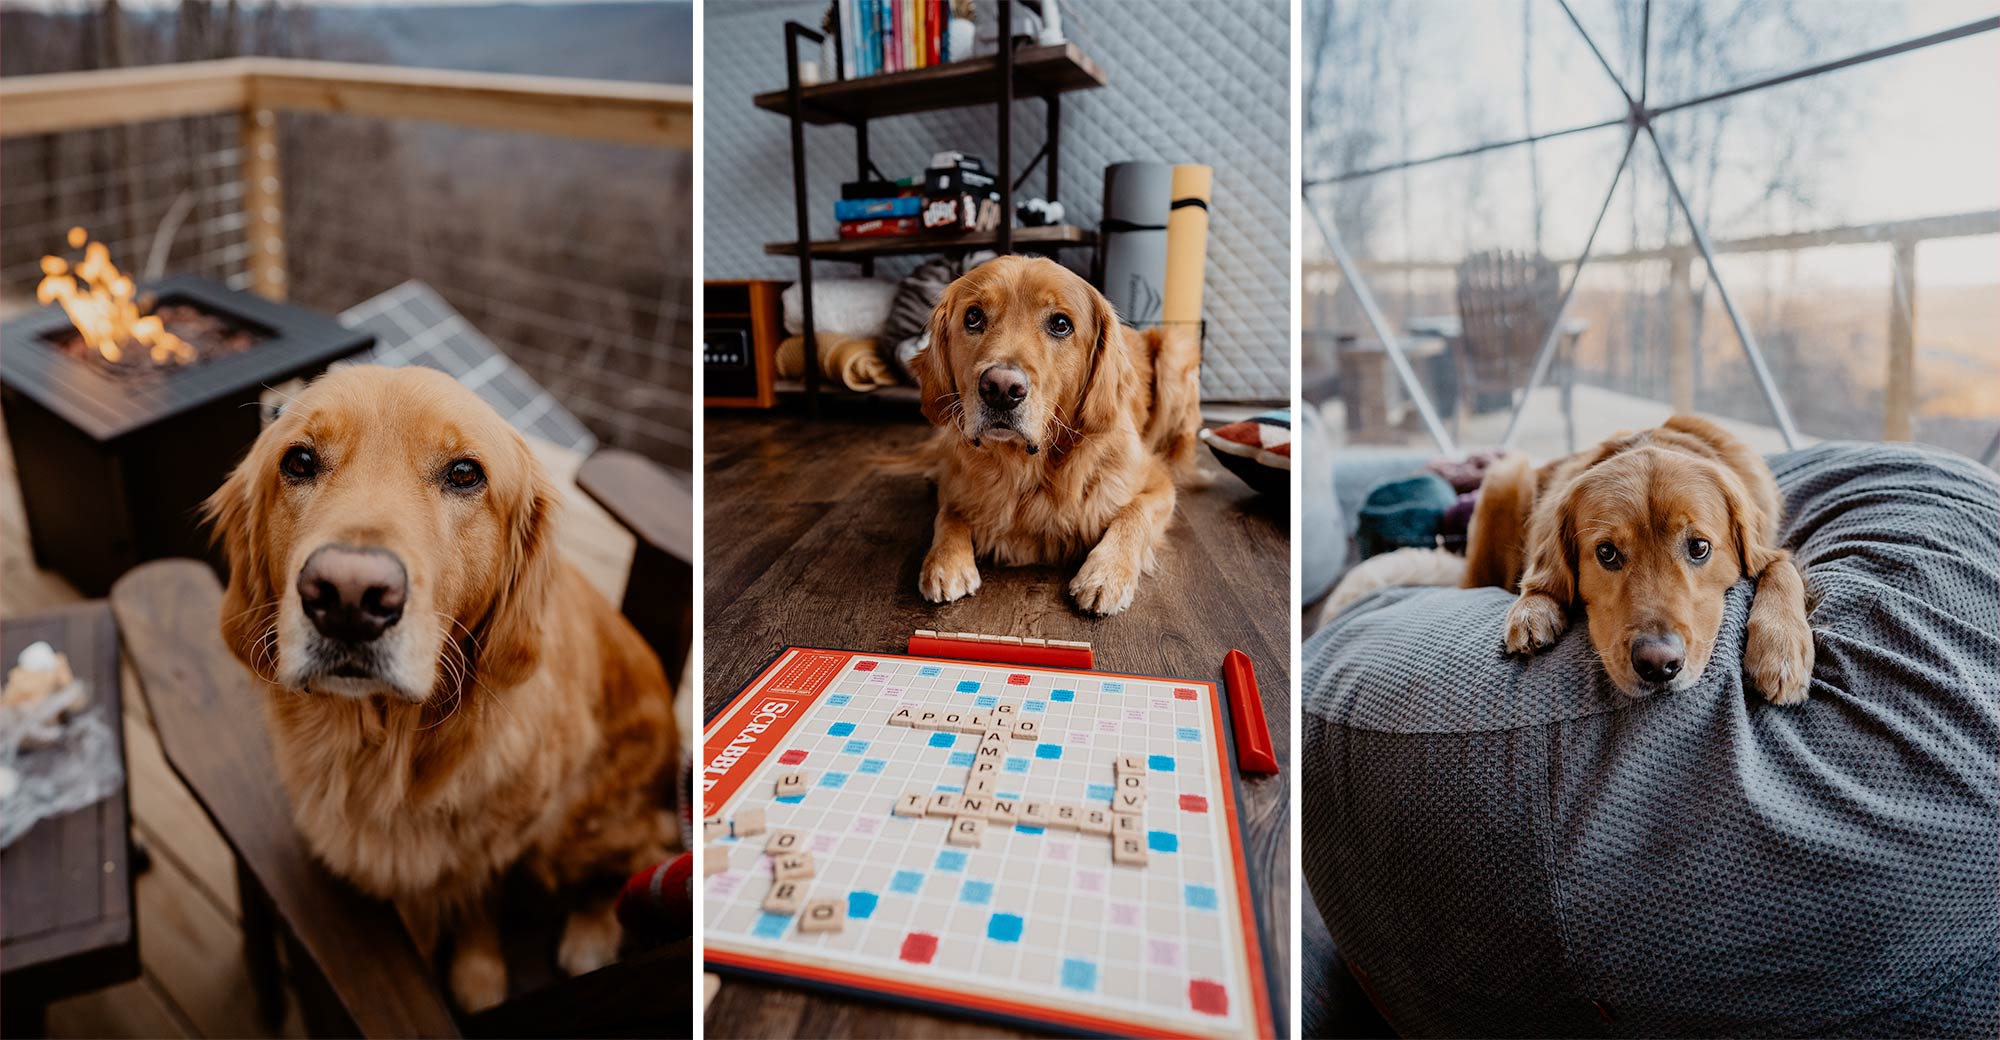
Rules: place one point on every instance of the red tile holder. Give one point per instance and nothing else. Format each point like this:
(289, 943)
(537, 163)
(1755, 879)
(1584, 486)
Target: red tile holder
(1246, 709)
(970, 646)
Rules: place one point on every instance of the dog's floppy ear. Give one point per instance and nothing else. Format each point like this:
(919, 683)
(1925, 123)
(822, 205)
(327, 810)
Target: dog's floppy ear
(235, 514)
(1551, 547)
(1749, 525)
(932, 367)
(1104, 395)
(509, 640)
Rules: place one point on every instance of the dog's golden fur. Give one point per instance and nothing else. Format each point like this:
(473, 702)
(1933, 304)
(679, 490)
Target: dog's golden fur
(1085, 466)
(519, 721)
(1645, 499)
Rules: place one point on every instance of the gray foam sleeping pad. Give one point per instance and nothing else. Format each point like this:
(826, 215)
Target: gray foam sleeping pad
(1505, 847)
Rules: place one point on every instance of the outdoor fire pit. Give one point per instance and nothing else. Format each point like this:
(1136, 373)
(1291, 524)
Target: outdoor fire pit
(116, 454)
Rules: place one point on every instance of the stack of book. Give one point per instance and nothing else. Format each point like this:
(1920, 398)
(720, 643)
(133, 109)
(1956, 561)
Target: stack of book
(893, 35)
(879, 209)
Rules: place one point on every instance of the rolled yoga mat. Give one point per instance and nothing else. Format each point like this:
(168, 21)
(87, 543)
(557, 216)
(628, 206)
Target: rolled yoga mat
(1137, 196)
(1187, 245)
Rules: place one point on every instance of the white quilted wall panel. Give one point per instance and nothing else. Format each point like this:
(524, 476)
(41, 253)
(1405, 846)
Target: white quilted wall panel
(1188, 81)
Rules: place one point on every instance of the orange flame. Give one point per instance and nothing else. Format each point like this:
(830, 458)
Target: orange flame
(99, 302)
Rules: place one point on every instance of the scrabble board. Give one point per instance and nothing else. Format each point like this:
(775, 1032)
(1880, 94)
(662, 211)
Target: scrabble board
(835, 860)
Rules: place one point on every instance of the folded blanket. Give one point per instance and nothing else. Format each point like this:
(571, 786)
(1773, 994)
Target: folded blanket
(855, 362)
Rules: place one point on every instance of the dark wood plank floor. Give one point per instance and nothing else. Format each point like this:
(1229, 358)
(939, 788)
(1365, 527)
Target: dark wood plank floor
(806, 543)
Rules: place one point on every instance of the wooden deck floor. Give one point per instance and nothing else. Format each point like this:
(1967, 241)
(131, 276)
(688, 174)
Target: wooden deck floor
(193, 980)
(808, 544)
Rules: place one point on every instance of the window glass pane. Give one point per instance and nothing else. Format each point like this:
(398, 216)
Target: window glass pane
(1391, 80)
(1703, 46)
(1806, 189)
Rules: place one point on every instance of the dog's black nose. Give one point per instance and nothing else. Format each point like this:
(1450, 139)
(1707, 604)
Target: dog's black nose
(1003, 386)
(350, 594)
(1658, 659)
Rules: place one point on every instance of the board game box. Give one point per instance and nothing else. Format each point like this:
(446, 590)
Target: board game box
(1047, 846)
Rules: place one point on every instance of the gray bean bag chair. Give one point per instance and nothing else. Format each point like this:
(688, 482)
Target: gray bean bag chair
(1505, 847)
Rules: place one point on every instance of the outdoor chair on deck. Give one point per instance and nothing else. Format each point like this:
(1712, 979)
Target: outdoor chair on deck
(352, 963)
(1505, 304)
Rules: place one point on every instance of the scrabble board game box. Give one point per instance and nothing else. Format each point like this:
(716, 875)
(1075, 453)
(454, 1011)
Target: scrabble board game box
(1045, 846)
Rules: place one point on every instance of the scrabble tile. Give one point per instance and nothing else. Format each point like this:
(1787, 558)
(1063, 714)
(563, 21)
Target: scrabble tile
(793, 866)
(1034, 814)
(784, 897)
(791, 785)
(976, 724)
(1065, 816)
(1128, 850)
(1027, 729)
(1095, 821)
(983, 785)
(713, 828)
(782, 842)
(1132, 782)
(966, 831)
(823, 915)
(1124, 824)
(748, 822)
(985, 766)
(944, 803)
(904, 716)
(926, 719)
(953, 721)
(1131, 764)
(974, 805)
(915, 803)
(996, 752)
(1128, 801)
(714, 859)
(1005, 709)
(1004, 813)
(996, 738)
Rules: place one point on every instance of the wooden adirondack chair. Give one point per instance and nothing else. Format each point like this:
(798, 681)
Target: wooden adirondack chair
(352, 962)
(1506, 302)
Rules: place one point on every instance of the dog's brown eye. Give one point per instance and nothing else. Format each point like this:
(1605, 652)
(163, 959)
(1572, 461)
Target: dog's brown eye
(464, 475)
(299, 463)
(1698, 549)
(975, 319)
(1059, 326)
(1607, 554)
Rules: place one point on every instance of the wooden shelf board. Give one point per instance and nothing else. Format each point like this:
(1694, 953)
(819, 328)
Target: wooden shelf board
(1038, 71)
(1052, 236)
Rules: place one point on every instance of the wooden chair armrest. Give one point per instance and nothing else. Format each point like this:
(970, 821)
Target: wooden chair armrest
(645, 499)
(206, 710)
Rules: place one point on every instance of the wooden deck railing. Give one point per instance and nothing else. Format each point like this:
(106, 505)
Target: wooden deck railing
(1902, 235)
(257, 89)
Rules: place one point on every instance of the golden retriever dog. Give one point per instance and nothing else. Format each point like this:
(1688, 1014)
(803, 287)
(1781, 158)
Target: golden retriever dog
(1061, 432)
(1646, 533)
(448, 699)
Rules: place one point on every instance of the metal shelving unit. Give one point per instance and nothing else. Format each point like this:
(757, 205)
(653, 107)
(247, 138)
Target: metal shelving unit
(1019, 70)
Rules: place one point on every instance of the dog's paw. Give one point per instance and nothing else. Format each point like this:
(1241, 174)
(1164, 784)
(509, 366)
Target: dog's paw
(1778, 656)
(948, 576)
(478, 979)
(1534, 622)
(589, 942)
(1105, 584)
